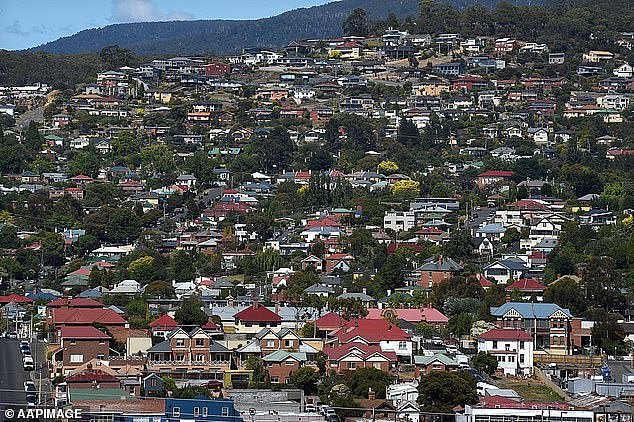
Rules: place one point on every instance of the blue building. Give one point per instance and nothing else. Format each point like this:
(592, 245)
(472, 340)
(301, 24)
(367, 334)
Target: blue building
(200, 409)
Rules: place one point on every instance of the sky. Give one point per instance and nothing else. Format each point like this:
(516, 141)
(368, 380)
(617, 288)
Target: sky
(29, 23)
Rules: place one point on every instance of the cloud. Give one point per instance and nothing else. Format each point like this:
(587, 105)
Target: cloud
(16, 29)
(143, 11)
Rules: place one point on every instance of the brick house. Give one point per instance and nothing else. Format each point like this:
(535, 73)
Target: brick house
(435, 270)
(77, 346)
(438, 362)
(373, 332)
(493, 178)
(281, 363)
(349, 357)
(217, 69)
(547, 323)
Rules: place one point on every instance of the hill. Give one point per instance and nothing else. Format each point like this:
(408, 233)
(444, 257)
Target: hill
(230, 36)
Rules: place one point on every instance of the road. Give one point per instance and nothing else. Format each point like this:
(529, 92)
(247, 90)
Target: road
(37, 114)
(12, 376)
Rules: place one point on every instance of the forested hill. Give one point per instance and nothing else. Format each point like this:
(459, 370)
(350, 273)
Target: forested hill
(229, 37)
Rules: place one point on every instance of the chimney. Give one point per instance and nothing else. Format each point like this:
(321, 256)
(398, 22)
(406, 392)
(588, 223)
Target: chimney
(277, 308)
(371, 394)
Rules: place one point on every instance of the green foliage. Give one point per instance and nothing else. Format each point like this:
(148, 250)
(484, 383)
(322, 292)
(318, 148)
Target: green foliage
(363, 379)
(568, 294)
(442, 391)
(484, 362)
(191, 312)
(305, 378)
(460, 325)
(260, 377)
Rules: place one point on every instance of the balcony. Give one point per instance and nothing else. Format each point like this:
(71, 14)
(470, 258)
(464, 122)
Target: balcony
(188, 363)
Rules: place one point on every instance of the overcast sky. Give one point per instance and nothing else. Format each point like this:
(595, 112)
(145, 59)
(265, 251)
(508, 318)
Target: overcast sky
(28, 23)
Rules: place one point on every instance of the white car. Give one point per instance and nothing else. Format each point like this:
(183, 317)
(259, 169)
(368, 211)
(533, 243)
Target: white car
(29, 386)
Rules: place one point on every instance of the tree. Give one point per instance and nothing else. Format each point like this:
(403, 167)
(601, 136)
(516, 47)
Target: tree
(408, 133)
(387, 167)
(305, 378)
(114, 57)
(349, 308)
(391, 274)
(356, 24)
(607, 333)
(603, 284)
(484, 362)
(442, 391)
(182, 266)
(566, 293)
(123, 226)
(85, 244)
(511, 235)
(143, 269)
(275, 149)
(260, 377)
(406, 188)
(460, 325)
(362, 380)
(191, 312)
(160, 289)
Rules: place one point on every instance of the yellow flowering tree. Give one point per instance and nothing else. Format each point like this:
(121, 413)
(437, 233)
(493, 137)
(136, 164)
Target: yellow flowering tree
(387, 167)
(406, 188)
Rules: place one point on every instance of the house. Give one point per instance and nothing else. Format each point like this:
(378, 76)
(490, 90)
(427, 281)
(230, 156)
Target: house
(548, 324)
(528, 288)
(153, 386)
(504, 270)
(349, 357)
(399, 220)
(597, 219)
(427, 314)
(183, 350)
(77, 346)
(595, 56)
(282, 363)
(556, 58)
(329, 322)
(162, 326)
(450, 69)
(252, 319)
(436, 269)
(201, 409)
(513, 349)
(492, 178)
(623, 71)
(502, 408)
(374, 332)
(437, 362)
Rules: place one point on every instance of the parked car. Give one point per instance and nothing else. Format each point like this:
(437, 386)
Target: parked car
(27, 363)
(213, 384)
(31, 399)
(12, 335)
(29, 386)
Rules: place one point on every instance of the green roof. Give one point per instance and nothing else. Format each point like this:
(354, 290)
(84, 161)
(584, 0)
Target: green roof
(99, 394)
(281, 355)
(426, 360)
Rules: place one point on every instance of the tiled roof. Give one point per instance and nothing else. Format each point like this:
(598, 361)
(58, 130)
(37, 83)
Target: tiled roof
(371, 330)
(411, 315)
(257, 313)
(91, 375)
(361, 350)
(526, 285)
(77, 302)
(87, 332)
(505, 334)
(164, 322)
(86, 317)
(15, 298)
(329, 321)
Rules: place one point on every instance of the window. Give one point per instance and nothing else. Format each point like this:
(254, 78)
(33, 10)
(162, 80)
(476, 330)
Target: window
(196, 412)
(376, 365)
(176, 412)
(521, 345)
(511, 358)
(225, 411)
(205, 412)
(180, 342)
(179, 357)
(275, 380)
(200, 358)
(153, 382)
(200, 342)
(100, 356)
(76, 358)
(507, 347)
(495, 344)
(290, 362)
(270, 343)
(288, 343)
(352, 365)
(521, 358)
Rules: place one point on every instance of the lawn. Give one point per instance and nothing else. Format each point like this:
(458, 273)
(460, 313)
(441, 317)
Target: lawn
(529, 390)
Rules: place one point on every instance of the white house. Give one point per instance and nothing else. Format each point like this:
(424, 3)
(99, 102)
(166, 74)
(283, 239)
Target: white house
(623, 71)
(504, 270)
(512, 348)
(127, 287)
(399, 220)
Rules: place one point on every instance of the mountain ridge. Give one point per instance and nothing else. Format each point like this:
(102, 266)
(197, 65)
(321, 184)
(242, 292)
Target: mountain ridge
(229, 36)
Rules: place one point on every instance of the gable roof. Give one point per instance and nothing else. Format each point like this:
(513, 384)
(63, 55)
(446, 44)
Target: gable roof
(506, 334)
(88, 332)
(410, 315)
(530, 310)
(329, 321)
(363, 351)
(164, 322)
(257, 313)
(526, 285)
(438, 357)
(371, 330)
(282, 355)
(86, 317)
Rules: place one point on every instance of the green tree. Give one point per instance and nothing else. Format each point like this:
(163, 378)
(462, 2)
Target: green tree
(123, 226)
(305, 378)
(191, 312)
(408, 133)
(484, 362)
(460, 325)
(442, 391)
(143, 269)
(356, 24)
(275, 149)
(260, 378)
(363, 379)
(160, 289)
(568, 294)
(603, 284)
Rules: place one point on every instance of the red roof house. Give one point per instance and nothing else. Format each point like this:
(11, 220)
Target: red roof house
(330, 321)
(14, 298)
